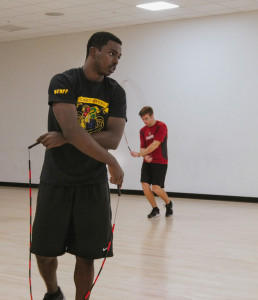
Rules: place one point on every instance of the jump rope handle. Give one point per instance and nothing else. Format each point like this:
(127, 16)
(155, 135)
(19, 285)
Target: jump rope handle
(33, 145)
(118, 190)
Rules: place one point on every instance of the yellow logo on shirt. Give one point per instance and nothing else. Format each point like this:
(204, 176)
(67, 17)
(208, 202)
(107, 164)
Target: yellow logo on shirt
(61, 91)
(92, 113)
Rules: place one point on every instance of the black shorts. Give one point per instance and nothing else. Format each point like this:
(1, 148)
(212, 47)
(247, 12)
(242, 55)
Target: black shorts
(154, 174)
(74, 219)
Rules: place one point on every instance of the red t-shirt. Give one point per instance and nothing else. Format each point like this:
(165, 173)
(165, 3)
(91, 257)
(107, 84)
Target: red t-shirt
(157, 132)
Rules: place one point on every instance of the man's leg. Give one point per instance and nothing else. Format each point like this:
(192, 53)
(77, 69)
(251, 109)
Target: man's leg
(161, 193)
(47, 268)
(149, 194)
(83, 276)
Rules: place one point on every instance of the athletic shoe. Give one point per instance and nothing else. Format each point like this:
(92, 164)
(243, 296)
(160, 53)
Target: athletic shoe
(169, 209)
(154, 213)
(55, 296)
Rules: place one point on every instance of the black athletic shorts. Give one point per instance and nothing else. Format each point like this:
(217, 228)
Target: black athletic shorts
(73, 219)
(154, 174)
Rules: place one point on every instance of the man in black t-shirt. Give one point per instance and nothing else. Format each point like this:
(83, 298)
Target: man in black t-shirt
(87, 115)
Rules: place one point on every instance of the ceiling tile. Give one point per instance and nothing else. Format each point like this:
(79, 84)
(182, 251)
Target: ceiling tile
(83, 15)
(237, 3)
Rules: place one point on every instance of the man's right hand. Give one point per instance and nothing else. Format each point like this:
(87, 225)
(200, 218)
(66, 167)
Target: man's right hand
(52, 139)
(116, 174)
(148, 158)
(135, 154)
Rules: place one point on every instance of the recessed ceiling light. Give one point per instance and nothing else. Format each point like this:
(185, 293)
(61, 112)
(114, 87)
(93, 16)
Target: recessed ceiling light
(54, 14)
(157, 5)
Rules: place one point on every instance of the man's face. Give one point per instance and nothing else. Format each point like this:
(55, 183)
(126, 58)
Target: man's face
(107, 58)
(148, 120)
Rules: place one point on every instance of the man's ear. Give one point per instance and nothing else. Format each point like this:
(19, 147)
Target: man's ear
(93, 51)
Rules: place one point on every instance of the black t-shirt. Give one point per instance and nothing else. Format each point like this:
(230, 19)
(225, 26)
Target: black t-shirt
(95, 102)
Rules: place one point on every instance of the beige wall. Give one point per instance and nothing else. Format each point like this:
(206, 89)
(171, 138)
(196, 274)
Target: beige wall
(200, 76)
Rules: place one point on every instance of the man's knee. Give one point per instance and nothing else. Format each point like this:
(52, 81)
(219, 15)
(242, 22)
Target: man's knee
(145, 186)
(156, 189)
(84, 261)
(45, 259)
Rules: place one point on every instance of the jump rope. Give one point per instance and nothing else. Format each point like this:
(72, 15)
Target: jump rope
(30, 237)
(31, 146)
(133, 89)
(127, 142)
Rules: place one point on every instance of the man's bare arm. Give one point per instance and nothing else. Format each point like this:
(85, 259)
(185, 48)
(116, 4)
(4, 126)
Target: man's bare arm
(108, 139)
(145, 151)
(66, 116)
(111, 137)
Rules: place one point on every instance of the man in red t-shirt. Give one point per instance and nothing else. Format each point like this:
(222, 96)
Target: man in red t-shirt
(153, 138)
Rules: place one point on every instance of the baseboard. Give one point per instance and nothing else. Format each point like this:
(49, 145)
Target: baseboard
(170, 194)
(18, 184)
(195, 196)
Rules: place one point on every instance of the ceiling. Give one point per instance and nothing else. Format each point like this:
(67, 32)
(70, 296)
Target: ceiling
(23, 19)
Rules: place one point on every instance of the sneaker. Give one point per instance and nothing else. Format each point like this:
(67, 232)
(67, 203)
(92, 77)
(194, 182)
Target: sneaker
(154, 212)
(55, 296)
(169, 209)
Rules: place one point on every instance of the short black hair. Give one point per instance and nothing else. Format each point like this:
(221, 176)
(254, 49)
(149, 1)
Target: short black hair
(146, 110)
(100, 39)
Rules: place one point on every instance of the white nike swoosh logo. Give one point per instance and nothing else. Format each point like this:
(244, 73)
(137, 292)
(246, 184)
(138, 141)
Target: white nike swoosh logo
(104, 249)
